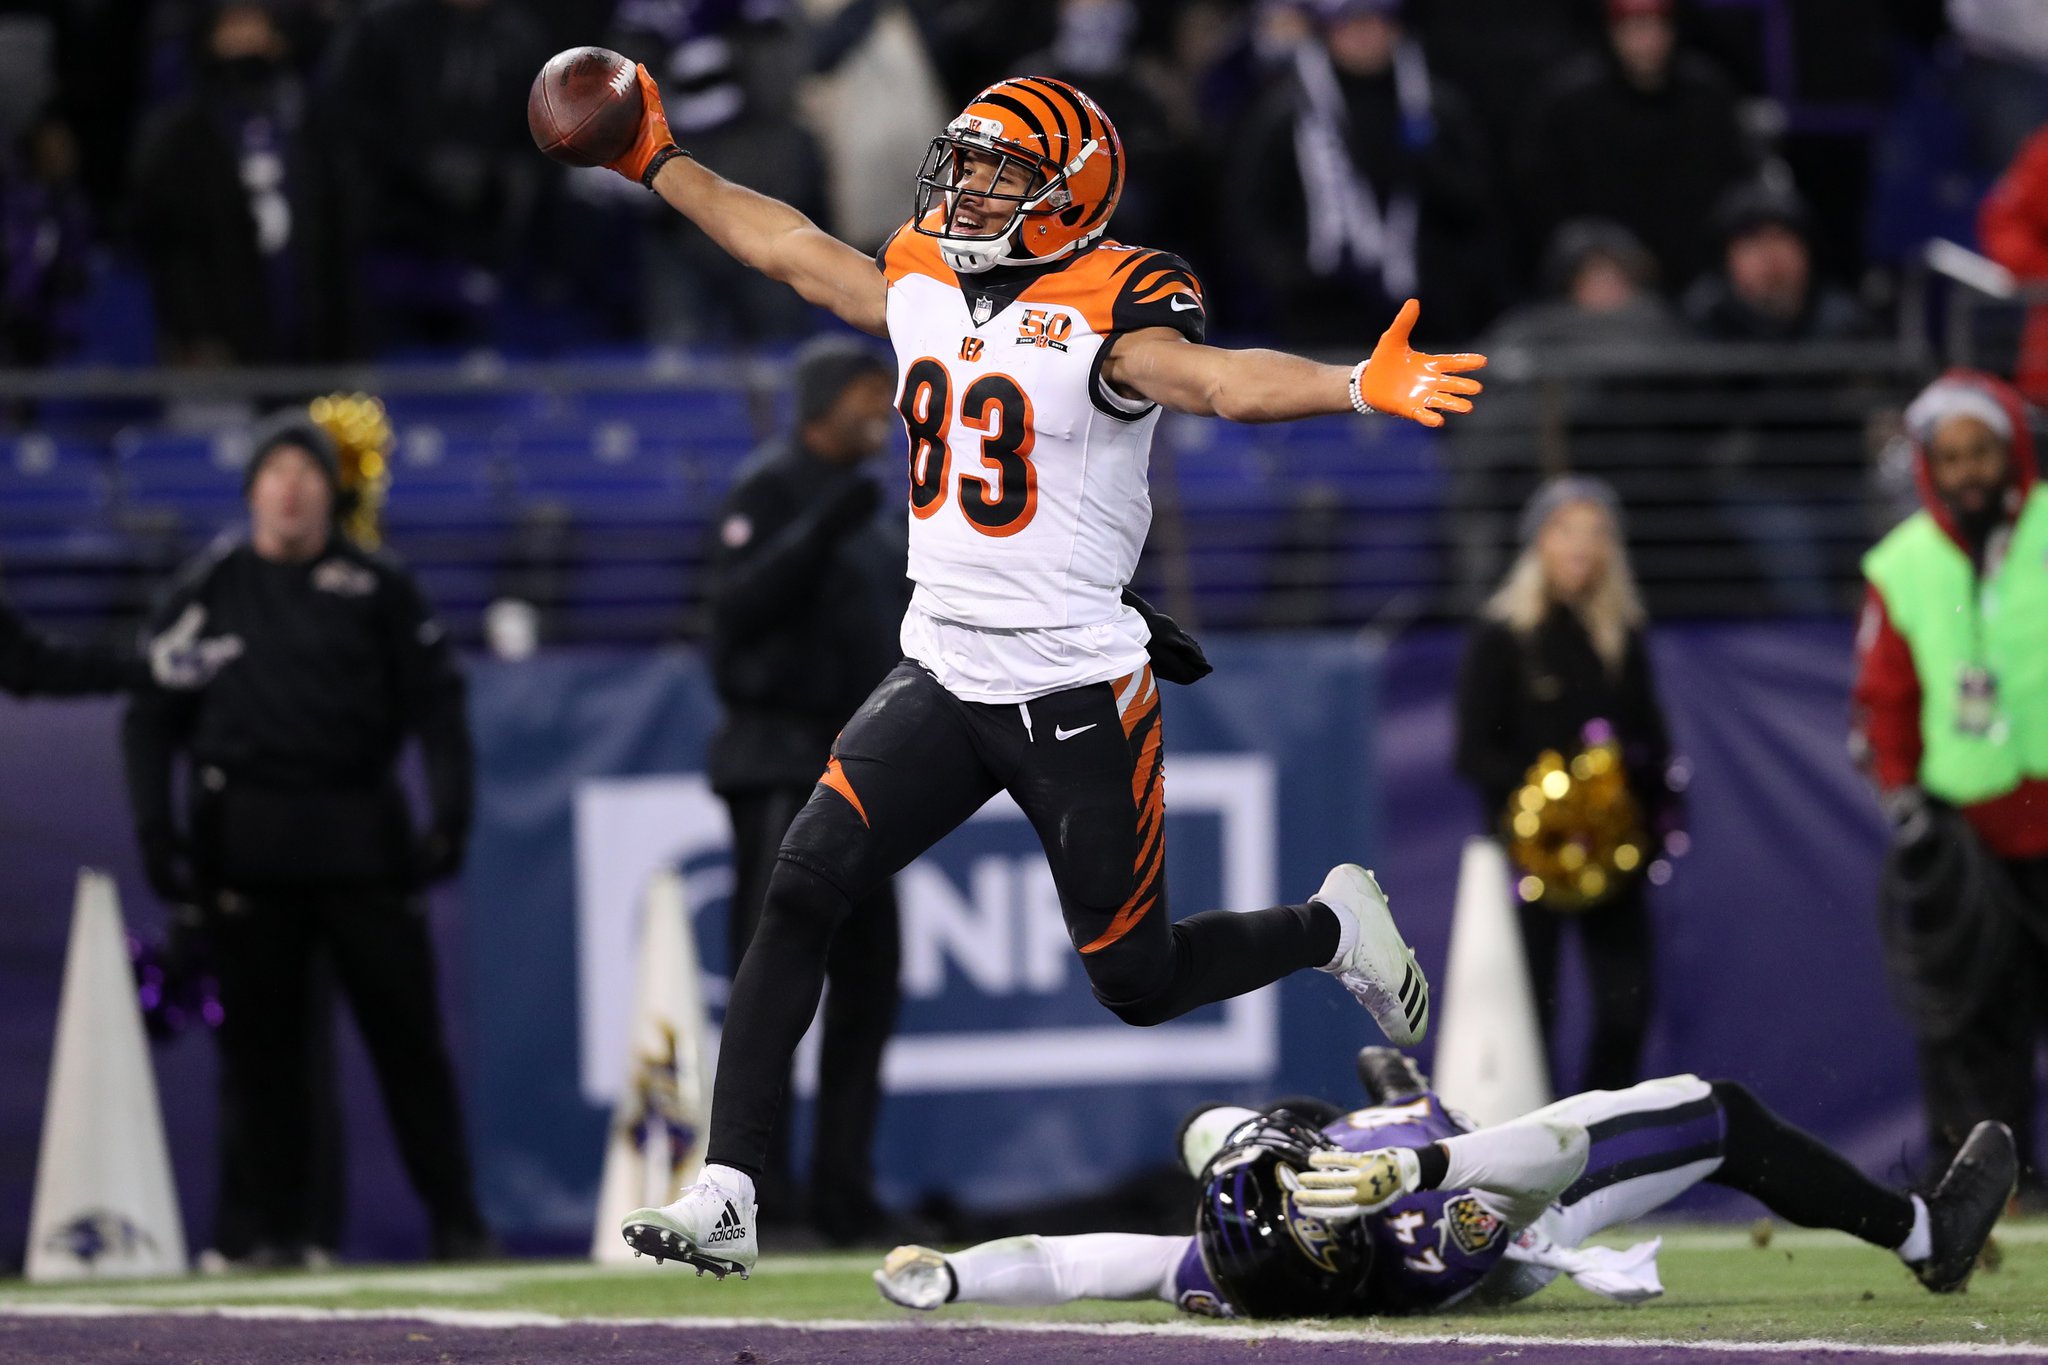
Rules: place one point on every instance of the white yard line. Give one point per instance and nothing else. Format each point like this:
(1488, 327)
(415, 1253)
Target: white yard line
(1304, 1332)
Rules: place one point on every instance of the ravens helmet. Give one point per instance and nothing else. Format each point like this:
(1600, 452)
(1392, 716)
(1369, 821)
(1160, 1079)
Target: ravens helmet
(1270, 1259)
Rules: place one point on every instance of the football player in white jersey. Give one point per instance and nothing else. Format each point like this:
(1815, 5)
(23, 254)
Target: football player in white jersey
(1034, 357)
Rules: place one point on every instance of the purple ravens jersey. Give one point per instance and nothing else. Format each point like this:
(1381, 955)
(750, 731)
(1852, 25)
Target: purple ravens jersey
(1430, 1248)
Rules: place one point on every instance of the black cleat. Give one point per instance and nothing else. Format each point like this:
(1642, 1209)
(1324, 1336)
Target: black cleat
(1965, 1205)
(1390, 1075)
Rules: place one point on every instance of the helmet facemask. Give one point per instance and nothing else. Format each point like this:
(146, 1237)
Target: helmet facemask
(1011, 177)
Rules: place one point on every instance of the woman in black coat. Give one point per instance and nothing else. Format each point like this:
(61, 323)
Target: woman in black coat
(1559, 648)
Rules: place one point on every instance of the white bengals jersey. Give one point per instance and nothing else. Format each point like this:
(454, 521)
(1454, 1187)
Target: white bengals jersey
(1029, 501)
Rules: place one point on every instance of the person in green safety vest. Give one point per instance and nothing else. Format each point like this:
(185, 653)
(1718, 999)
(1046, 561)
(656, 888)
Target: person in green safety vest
(1951, 721)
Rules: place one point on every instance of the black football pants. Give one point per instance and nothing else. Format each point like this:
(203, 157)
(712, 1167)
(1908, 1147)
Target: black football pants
(274, 1068)
(913, 764)
(1616, 943)
(1986, 1069)
(860, 1013)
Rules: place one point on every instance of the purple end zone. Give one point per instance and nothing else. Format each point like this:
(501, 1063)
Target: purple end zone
(161, 1340)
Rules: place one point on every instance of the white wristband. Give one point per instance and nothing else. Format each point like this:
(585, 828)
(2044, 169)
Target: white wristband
(1358, 403)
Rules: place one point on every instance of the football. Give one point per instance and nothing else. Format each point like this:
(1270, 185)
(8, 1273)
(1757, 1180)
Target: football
(584, 108)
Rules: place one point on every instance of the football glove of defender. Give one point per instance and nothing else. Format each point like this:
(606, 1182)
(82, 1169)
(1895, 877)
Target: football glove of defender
(1405, 382)
(655, 146)
(1340, 1186)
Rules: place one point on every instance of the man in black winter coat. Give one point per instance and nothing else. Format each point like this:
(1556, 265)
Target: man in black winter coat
(807, 600)
(242, 212)
(1643, 133)
(298, 850)
(1362, 180)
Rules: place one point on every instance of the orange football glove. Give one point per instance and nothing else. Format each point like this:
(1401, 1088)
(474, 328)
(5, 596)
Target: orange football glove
(1407, 383)
(637, 160)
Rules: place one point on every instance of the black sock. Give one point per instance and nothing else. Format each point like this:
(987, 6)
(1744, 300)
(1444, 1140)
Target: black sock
(1222, 954)
(1324, 932)
(1800, 1179)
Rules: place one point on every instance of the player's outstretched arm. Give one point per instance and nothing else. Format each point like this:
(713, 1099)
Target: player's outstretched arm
(1036, 1272)
(1524, 1165)
(1161, 365)
(760, 233)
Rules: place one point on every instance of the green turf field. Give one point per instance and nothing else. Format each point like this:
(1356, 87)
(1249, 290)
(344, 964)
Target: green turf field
(1718, 1285)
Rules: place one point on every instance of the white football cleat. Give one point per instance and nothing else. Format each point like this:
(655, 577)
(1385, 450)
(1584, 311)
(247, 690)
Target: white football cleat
(915, 1277)
(708, 1226)
(1376, 965)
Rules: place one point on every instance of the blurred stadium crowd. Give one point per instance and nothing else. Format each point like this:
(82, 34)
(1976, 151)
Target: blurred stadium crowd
(329, 179)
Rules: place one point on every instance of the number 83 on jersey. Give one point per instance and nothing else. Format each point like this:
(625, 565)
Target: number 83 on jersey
(1001, 498)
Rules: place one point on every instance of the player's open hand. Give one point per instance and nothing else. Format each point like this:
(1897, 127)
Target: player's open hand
(654, 134)
(1409, 383)
(1344, 1185)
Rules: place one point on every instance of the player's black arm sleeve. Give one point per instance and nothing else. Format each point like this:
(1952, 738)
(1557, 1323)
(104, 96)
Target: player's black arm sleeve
(1488, 679)
(776, 571)
(433, 699)
(32, 664)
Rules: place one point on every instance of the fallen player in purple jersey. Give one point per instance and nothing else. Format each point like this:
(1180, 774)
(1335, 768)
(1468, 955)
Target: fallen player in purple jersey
(1403, 1207)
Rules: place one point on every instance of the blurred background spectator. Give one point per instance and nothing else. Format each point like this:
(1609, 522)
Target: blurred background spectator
(429, 96)
(1644, 132)
(1765, 285)
(729, 71)
(2004, 80)
(1360, 180)
(48, 234)
(1558, 663)
(1599, 289)
(244, 207)
(2012, 225)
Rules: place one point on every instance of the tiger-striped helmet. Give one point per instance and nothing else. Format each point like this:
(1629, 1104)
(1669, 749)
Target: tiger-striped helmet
(1029, 171)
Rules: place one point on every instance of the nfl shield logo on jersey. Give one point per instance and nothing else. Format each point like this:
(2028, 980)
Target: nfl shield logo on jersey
(984, 308)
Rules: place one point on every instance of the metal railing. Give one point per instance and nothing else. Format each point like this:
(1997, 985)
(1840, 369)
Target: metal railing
(1754, 477)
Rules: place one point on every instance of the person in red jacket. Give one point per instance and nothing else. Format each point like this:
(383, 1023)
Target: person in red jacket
(2012, 227)
(1951, 719)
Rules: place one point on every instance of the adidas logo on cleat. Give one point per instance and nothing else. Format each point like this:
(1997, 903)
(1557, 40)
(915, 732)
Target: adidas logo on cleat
(1414, 995)
(729, 1229)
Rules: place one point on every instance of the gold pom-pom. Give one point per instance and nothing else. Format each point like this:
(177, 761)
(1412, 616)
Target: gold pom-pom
(1574, 829)
(361, 432)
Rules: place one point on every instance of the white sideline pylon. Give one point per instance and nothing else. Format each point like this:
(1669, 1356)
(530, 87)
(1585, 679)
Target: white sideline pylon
(662, 1119)
(105, 1202)
(1489, 1055)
